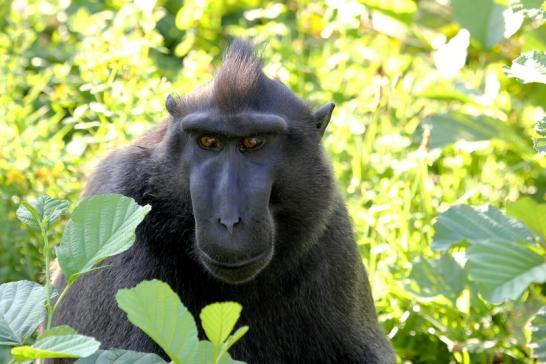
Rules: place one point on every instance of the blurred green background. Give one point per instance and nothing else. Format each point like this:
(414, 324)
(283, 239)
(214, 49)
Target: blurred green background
(425, 118)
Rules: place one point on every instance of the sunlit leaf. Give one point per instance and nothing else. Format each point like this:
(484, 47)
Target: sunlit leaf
(218, 320)
(529, 67)
(66, 346)
(101, 226)
(531, 213)
(487, 21)
(452, 127)
(118, 356)
(531, 8)
(206, 354)
(450, 58)
(443, 276)
(21, 310)
(504, 268)
(237, 335)
(44, 207)
(157, 310)
(58, 331)
(472, 224)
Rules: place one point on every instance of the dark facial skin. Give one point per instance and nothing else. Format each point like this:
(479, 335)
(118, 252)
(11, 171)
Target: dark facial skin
(231, 163)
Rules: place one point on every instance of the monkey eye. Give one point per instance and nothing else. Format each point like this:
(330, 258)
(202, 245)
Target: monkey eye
(209, 142)
(252, 143)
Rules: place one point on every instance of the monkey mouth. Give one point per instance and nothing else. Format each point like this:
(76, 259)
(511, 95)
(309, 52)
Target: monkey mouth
(236, 272)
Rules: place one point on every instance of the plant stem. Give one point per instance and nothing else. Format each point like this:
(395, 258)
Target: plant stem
(66, 288)
(47, 252)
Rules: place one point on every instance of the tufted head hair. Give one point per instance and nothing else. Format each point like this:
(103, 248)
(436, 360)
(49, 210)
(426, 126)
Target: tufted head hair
(236, 86)
(239, 80)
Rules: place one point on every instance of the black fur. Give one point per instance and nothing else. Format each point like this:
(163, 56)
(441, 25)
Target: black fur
(312, 302)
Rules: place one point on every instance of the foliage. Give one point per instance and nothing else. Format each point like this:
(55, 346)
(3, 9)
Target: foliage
(158, 311)
(503, 256)
(425, 119)
(100, 227)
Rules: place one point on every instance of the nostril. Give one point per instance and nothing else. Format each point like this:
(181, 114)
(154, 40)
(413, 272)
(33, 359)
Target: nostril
(229, 223)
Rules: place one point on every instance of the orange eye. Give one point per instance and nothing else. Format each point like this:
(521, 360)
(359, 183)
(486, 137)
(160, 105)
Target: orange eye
(209, 142)
(252, 143)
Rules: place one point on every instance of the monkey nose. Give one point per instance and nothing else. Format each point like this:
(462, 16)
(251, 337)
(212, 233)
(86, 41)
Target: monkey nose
(229, 222)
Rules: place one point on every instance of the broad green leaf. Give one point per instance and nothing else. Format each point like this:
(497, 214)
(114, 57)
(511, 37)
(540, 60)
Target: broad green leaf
(531, 213)
(118, 356)
(537, 342)
(504, 268)
(474, 223)
(21, 310)
(452, 127)
(65, 346)
(529, 67)
(62, 330)
(206, 354)
(218, 320)
(44, 207)
(157, 310)
(487, 21)
(101, 226)
(443, 276)
(5, 354)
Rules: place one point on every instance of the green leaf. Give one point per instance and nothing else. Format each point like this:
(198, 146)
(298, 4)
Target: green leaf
(504, 269)
(530, 8)
(537, 342)
(44, 207)
(101, 226)
(5, 354)
(472, 224)
(487, 21)
(65, 346)
(443, 276)
(206, 354)
(218, 320)
(529, 67)
(529, 212)
(118, 356)
(157, 310)
(237, 335)
(21, 310)
(61, 330)
(452, 127)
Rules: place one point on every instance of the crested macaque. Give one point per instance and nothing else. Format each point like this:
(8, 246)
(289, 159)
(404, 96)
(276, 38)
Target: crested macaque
(244, 208)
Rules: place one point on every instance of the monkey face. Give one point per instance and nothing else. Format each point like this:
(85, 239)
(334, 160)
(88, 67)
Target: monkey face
(231, 175)
(253, 165)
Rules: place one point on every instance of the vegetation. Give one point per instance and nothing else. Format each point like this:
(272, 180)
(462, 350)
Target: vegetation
(440, 108)
(100, 227)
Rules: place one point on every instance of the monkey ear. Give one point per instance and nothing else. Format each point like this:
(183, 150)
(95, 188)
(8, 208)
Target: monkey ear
(172, 106)
(322, 116)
